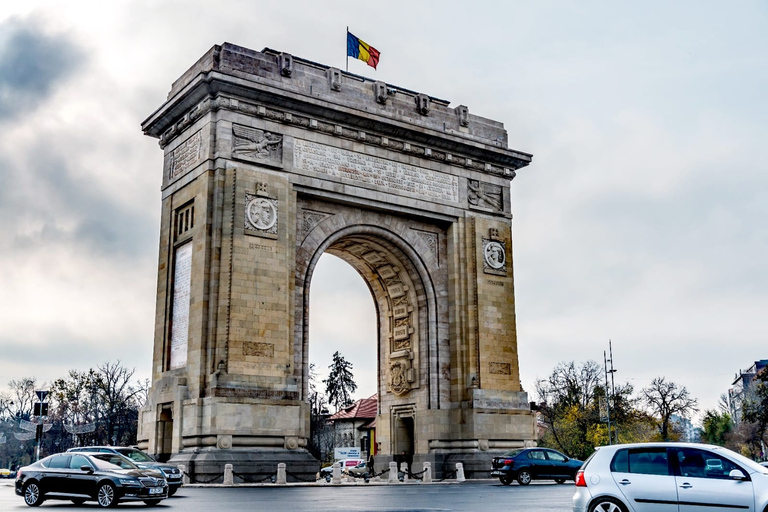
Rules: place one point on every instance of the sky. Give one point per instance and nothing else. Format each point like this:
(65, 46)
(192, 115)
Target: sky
(642, 219)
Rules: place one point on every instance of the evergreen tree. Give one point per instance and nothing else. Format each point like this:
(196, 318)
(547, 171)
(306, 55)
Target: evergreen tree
(340, 383)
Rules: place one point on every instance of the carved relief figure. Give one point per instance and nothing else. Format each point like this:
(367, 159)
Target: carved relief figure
(257, 144)
(485, 195)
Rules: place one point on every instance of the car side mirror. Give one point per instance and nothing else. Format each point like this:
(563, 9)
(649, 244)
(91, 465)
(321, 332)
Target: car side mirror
(736, 474)
(567, 459)
(87, 469)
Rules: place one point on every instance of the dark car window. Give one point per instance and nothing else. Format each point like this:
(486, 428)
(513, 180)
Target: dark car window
(59, 462)
(645, 461)
(77, 461)
(113, 461)
(698, 463)
(555, 456)
(514, 453)
(536, 455)
(135, 455)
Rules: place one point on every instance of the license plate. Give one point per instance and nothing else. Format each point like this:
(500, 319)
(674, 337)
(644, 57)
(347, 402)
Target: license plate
(155, 490)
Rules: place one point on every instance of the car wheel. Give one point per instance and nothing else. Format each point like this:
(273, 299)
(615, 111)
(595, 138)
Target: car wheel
(523, 477)
(560, 480)
(505, 480)
(78, 501)
(607, 505)
(32, 495)
(106, 495)
(151, 503)
(172, 490)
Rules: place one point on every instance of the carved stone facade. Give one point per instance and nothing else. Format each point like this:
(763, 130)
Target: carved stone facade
(272, 161)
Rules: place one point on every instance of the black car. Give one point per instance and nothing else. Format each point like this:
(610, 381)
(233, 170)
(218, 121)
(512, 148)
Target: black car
(526, 464)
(172, 473)
(79, 477)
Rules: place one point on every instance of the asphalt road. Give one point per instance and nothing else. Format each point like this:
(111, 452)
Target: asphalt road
(470, 496)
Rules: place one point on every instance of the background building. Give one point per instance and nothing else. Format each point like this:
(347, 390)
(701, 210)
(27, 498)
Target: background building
(742, 387)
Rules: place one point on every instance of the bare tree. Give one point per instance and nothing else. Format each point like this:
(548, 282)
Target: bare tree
(23, 396)
(665, 398)
(119, 400)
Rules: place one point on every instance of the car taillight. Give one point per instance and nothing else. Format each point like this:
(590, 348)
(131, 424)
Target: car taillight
(508, 462)
(580, 480)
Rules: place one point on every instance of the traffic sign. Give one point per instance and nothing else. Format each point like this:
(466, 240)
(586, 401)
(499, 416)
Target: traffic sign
(41, 395)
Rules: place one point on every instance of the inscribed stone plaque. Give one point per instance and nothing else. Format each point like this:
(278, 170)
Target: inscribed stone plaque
(401, 333)
(374, 171)
(185, 155)
(182, 278)
(396, 290)
(499, 368)
(374, 258)
(255, 348)
(387, 272)
(400, 311)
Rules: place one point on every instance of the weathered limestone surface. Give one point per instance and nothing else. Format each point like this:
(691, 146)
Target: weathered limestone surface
(271, 161)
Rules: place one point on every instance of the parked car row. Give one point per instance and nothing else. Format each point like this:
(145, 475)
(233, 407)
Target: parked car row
(171, 473)
(107, 475)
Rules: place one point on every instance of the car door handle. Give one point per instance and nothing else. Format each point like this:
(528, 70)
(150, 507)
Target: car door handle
(624, 482)
(686, 485)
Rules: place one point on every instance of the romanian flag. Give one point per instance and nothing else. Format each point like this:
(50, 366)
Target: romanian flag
(357, 49)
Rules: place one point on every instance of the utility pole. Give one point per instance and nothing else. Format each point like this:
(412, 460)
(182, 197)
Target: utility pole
(607, 400)
(613, 387)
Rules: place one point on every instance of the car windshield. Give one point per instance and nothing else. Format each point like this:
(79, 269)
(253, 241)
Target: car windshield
(136, 455)
(749, 463)
(514, 453)
(112, 461)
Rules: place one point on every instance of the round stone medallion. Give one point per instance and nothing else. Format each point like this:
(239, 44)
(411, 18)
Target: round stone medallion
(494, 255)
(262, 214)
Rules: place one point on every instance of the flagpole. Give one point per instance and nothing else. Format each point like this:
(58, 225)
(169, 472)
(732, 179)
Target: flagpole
(347, 50)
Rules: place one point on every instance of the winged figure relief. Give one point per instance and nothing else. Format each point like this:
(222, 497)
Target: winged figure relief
(256, 143)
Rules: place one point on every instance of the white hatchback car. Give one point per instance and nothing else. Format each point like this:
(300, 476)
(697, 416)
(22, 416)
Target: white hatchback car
(670, 477)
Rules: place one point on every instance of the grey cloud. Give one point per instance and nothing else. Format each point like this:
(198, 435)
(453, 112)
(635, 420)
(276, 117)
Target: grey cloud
(31, 64)
(71, 351)
(69, 210)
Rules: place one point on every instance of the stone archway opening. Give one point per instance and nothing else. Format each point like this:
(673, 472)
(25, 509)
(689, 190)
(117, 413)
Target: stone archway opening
(343, 319)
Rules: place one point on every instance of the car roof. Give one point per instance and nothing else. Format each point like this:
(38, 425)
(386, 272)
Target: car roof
(660, 444)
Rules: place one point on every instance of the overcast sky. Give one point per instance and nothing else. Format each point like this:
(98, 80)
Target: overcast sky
(642, 218)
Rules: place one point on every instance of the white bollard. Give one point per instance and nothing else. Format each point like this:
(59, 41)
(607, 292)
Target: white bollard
(393, 472)
(336, 474)
(460, 472)
(184, 477)
(427, 477)
(281, 474)
(405, 472)
(228, 476)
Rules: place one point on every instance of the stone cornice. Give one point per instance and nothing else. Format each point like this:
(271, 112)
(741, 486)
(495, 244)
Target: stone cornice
(184, 111)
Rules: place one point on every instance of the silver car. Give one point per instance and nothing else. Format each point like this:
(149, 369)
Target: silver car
(670, 477)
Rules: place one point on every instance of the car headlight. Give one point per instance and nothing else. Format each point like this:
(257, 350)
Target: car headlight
(129, 482)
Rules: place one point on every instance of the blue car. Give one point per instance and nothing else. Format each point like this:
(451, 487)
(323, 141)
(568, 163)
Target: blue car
(526, 464)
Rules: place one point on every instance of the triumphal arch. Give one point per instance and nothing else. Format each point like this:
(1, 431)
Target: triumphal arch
(271, 161)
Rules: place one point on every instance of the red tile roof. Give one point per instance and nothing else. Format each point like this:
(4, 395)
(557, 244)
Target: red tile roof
(365, 408)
